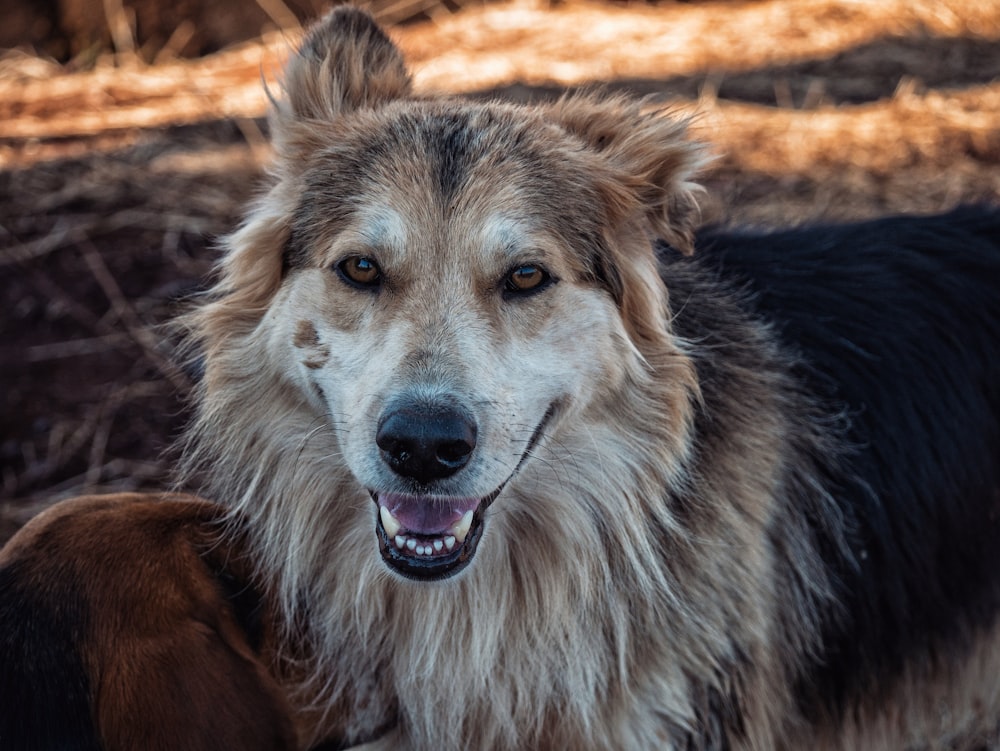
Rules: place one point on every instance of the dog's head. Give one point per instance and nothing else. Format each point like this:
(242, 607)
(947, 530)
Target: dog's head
(455, 286)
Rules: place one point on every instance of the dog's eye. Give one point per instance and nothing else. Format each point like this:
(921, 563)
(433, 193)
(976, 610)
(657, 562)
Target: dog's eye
(525, 279)
(359, 271)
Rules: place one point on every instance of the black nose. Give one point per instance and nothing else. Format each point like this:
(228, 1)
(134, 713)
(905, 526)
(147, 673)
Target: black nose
(426, 443)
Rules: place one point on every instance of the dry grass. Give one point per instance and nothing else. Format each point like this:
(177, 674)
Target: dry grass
(116, 179)
(581, 42)
(486, 48)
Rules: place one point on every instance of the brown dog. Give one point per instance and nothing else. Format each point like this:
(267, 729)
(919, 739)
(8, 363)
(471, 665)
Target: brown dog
(511, 469)
(127, 623)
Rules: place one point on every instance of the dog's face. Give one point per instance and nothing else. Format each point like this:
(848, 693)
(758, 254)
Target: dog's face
(442, 318)
(459, 279)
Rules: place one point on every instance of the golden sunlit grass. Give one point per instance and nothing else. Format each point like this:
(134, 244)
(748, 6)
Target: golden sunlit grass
(577, 41)
(907, 130)
(487, 47)
(917, 153)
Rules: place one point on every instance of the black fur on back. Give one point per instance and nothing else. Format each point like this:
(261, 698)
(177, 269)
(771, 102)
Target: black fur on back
(895, 325)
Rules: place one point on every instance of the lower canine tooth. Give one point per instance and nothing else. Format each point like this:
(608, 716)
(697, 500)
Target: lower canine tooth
(461, 529)
(389, 523)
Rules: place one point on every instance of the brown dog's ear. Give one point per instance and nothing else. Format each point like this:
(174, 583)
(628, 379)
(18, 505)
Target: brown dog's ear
(652, 161)
(346, 62)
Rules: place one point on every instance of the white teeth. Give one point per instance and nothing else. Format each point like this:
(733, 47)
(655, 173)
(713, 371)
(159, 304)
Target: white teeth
(461, 528)
(389, 523)
(456, 535)
(429, 547)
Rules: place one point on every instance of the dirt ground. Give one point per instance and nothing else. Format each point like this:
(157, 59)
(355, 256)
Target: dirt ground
(117, 179)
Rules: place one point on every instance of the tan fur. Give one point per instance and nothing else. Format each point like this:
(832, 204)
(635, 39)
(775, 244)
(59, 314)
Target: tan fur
(942, 705)
(593, 616)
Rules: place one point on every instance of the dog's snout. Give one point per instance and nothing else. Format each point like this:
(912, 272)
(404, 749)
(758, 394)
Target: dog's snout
(426, 444)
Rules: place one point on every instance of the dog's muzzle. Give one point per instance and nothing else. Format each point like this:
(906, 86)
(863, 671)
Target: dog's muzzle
(430, 537)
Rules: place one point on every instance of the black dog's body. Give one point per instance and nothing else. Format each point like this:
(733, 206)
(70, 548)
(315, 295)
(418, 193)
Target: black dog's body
(893, 327)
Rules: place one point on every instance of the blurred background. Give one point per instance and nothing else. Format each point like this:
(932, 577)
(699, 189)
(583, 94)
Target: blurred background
(132, 133)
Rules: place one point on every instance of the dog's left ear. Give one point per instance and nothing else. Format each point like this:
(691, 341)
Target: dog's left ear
(651, 158)
(345, 63)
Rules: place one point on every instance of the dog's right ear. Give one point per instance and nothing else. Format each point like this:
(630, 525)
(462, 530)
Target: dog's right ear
(346, 62)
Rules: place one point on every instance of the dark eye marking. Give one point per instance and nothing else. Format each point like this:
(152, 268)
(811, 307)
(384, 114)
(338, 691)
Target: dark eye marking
(359, 272)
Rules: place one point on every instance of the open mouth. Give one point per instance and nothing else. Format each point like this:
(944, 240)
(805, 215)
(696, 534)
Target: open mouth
(424, 537)
(428, 537)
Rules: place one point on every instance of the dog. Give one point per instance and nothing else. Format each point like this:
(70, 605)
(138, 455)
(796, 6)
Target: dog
(509, 454)
(127, 622)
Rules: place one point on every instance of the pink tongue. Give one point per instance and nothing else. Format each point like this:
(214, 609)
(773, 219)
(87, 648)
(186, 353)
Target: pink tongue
(426, 515)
